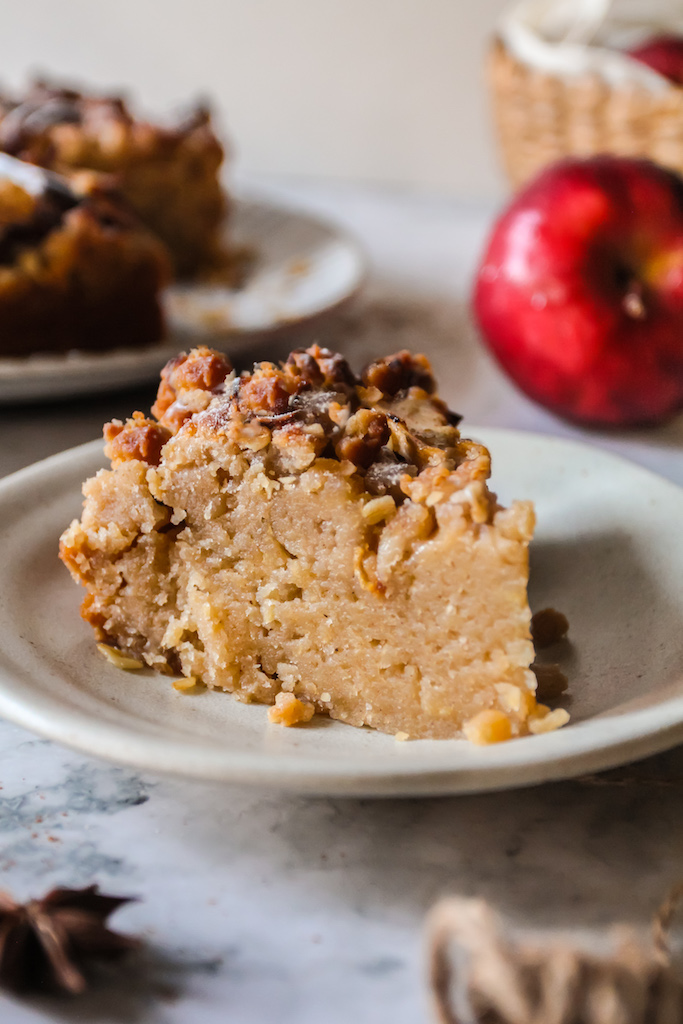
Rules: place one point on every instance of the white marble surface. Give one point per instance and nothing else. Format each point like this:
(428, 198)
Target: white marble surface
(260, 909)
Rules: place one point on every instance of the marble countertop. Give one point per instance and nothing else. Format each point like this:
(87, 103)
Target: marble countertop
(270, 909)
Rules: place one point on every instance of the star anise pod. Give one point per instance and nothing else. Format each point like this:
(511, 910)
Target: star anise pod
(45, 942)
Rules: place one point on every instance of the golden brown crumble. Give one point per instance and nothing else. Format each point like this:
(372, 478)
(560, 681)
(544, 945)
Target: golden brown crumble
(202, 370)
(545, 720)
(313, 406)
(321, 368)
(398, 373)
(366, 432)
(489, 726)
(266, 392)
(289, 710)
(302, 364)
(137, 438)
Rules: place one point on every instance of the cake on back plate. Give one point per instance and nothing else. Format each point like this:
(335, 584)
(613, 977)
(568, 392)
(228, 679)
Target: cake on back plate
(168, 175)
(315, 541)
(77, 270)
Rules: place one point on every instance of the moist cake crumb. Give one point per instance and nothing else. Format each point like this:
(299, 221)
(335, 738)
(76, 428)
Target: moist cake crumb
(289, 710)
(490, 726)
(545, 720)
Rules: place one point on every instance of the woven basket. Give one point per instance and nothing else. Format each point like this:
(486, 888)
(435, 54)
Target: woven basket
(542, 117)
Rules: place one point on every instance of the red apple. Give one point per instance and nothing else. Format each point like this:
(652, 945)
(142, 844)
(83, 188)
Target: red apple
(663, 53)
(580, 291)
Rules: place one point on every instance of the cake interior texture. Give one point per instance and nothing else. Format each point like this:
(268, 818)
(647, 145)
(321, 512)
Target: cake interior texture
(298, 531)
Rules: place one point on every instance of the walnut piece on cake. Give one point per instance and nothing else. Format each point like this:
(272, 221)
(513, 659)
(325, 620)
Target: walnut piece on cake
(169, 176)
(312, 540)
(77, 270)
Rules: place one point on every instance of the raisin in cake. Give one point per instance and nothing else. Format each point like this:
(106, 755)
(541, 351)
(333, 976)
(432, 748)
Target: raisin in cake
(76, 271)
(169, 176)
(315, 541)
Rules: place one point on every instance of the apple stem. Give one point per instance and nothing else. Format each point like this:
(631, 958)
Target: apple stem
(633, 304)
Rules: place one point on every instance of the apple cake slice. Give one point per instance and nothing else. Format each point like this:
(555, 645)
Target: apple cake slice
(77, 270)
(168, 175)
(315, 541)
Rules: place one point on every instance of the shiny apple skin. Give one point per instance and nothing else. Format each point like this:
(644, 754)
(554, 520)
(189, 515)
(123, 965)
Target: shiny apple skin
(580, 291)
(662, 53)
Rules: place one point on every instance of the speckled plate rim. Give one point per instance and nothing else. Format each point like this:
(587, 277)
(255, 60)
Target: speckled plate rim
(605, 741)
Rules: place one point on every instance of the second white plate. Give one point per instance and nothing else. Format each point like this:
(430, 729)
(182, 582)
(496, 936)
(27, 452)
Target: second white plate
(608, 552)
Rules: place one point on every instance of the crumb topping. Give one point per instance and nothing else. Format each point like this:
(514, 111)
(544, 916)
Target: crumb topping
(387, 426)
(51, 122)
(186, 385)
(289, 710)
(488, 726)
(546, 720)
(265, 393)
(138, 438)
(365, 434)
(399, 373)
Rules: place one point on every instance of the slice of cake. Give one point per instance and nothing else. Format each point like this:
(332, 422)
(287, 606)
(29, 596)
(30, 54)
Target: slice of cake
(315, 541)
(168, 175)
(76, 271)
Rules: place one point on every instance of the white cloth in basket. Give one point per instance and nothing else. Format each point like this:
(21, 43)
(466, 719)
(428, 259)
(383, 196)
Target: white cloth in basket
(579, 37)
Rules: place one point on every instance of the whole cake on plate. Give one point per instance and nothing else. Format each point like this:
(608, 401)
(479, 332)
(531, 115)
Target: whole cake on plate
(168, 175)
(316, 541)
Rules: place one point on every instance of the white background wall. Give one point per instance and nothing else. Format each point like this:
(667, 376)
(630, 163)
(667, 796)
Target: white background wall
(380, 90)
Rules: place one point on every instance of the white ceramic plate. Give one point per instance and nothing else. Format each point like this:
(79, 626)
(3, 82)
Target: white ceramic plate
(609, 552)
(302, 267)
